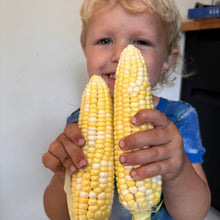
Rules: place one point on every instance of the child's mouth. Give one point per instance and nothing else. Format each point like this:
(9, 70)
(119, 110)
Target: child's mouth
(109, 78)
(110, 81)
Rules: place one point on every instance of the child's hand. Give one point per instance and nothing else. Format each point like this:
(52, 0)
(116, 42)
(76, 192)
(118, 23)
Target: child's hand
(65, 152)
(165, 157)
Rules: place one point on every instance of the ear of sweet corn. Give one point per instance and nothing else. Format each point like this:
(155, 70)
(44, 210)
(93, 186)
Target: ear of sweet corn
(133, 93)
(90, 191)
(92, 188)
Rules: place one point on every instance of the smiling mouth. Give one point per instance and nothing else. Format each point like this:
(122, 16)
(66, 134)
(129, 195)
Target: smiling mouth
(109, 76)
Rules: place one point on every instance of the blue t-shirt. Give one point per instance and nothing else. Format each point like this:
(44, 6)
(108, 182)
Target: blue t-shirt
(184, 116)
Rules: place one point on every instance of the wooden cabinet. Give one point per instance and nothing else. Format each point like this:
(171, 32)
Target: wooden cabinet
(202, 90)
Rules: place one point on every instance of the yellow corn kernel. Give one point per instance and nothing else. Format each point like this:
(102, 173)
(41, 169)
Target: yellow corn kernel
(132, 93)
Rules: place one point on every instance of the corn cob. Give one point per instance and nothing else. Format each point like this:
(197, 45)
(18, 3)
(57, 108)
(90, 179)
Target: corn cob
(132, 93)
(92, 188)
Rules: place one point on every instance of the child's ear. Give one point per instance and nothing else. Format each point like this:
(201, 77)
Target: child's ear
(170, 60)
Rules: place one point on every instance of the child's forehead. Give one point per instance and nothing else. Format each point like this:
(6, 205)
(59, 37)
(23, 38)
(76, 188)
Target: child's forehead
(107, 7)
(119, 20)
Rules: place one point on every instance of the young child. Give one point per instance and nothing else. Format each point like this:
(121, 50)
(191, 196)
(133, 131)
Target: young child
(153, 26)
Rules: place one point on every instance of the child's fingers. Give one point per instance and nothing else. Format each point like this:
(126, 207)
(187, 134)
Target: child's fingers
(166, 160)
(70, 150)
(52, 163)
(58, 151)
(65, 152)
(167, 167)
(145, 156)
(151, 170)
(153, 116)
(153, 137)
(73, 132)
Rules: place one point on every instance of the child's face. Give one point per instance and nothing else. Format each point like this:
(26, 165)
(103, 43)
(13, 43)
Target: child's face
(111, 29)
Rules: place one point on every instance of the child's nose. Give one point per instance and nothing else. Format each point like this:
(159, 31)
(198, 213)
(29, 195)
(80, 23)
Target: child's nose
(116, 52)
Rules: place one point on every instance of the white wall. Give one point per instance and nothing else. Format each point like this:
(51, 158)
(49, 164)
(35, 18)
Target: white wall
(42, 75)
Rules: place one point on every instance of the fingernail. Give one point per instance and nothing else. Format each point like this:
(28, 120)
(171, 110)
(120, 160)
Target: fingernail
(81, 141)
(73, 169)
(121, 144)
(123, 159)
(82, 163)
(134, 120)
(133, 173)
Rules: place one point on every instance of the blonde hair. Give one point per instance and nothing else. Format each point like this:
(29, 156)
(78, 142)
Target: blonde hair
(166, 9)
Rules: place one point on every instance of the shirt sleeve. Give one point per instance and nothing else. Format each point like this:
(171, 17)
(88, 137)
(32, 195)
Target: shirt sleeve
(73, 118)
(188, 126)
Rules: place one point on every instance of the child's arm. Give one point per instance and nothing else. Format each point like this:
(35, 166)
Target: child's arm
(55, 204)
(64, 153)
(185, 189)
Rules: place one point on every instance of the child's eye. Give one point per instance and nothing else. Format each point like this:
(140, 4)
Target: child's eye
(141, 42)
(104, 41)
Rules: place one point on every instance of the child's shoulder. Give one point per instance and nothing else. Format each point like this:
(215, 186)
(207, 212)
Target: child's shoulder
(175, 110)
